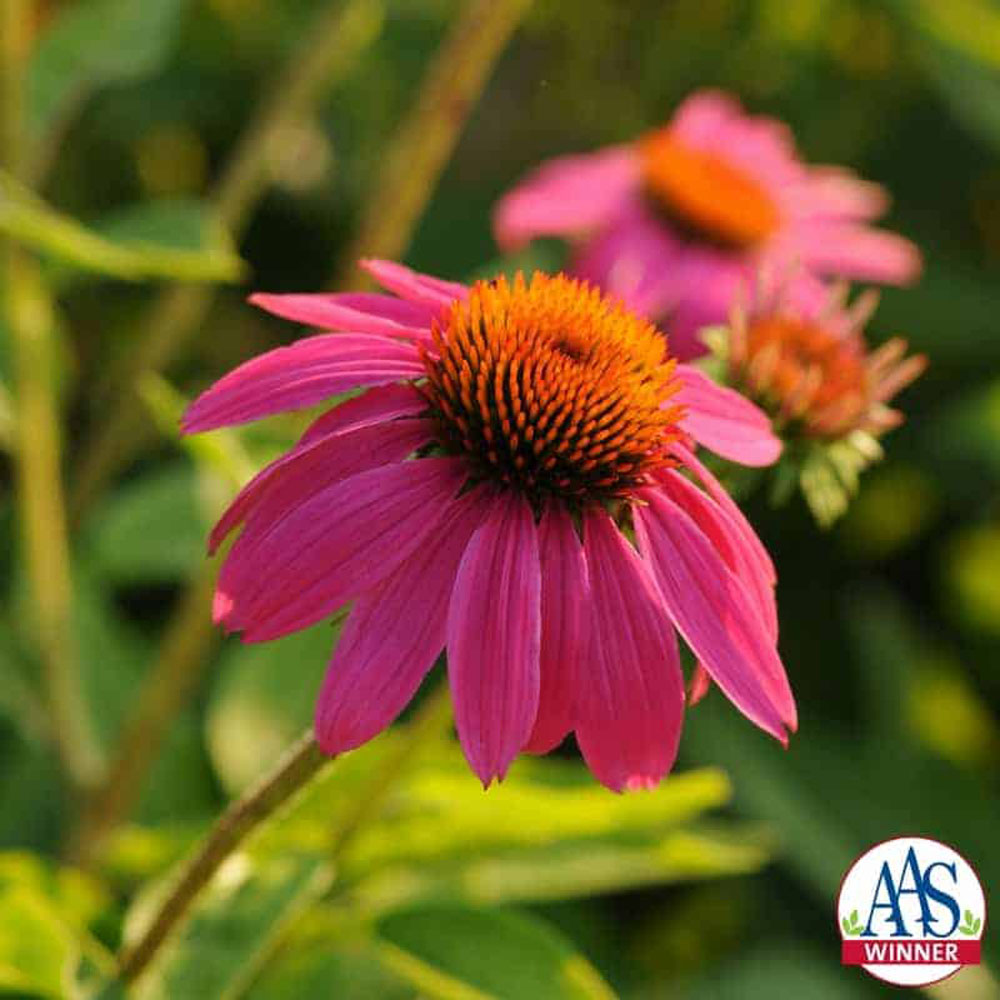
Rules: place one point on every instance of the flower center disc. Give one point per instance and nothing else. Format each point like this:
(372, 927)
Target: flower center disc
(552, 388)
(813, 369)
(705, 193)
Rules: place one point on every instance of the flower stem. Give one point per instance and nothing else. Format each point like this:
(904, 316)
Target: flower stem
(330, 48)
(37, 437)
(294, 771)
(427, 137)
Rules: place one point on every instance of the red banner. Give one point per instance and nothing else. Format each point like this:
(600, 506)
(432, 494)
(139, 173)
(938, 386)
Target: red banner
(904, 951)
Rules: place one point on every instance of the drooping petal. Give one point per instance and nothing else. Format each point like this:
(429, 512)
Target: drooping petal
(567, 196)
(359, 312)
(412, 285)
(300, 375)
(720, 529)
(393, 635)
(725, 422)
(316, 464)
(287, 572)
(712, 611)
(630, 699)
(565, 627)
(726, 502)
(494, 638)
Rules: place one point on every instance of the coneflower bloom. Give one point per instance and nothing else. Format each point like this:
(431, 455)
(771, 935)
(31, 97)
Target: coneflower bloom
(805, 361)
(677, 222)
(481, 495)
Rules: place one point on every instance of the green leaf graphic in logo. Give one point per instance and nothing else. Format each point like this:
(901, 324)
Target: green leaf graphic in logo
(850, 924)
(971, 925)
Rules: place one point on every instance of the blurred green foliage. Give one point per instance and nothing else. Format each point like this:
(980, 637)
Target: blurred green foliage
(721, 883)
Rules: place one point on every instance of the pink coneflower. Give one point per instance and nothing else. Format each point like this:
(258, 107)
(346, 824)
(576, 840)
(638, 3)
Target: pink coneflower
(482, 494)
(804, 359)
(677, 222)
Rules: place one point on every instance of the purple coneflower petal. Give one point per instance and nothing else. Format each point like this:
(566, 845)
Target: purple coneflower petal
(314, 465)
(494, 638)
(359, 312)
(568, 195)
(300, 375)
(833, 193)
(376, 406)
(286, 573)
(413, 286)
(711, 610)
(719, 528)
(630, 705)
(725, 422)
(855, 251)
(394, 634)
(565, 627)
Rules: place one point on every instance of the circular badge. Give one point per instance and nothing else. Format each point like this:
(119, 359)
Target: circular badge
(911, 912)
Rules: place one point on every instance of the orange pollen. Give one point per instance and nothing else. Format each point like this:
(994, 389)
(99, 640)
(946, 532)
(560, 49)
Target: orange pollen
(705, 193)
(813, 375)
(552, 388)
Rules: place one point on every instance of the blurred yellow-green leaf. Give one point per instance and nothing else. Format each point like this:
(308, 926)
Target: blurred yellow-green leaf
(453, 952)
(28, 219)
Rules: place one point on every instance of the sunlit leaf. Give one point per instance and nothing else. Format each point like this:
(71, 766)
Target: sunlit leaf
(454, 952)
(37, 953)
(571, 870)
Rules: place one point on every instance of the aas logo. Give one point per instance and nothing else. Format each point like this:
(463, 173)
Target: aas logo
(911, 912)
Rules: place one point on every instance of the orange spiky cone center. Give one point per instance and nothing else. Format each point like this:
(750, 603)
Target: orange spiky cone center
(552, 388)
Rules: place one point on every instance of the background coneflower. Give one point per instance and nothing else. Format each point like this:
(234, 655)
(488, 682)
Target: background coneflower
(679, 220)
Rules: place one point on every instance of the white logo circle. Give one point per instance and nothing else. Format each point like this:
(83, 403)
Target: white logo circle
(911, 912)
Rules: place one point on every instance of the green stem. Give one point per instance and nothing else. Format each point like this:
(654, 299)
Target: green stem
(331, 47)
(425, 141)
(38, 444)
(293, 773)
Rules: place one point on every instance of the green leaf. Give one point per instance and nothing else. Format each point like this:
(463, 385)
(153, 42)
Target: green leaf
(327, 962)
(150, 530)
(93, 43)
(35, 947)
(854, 916)
(44, 914)
(234, 927)
(570, 870)
(454, 952)
(845, 923)
(27, 218)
